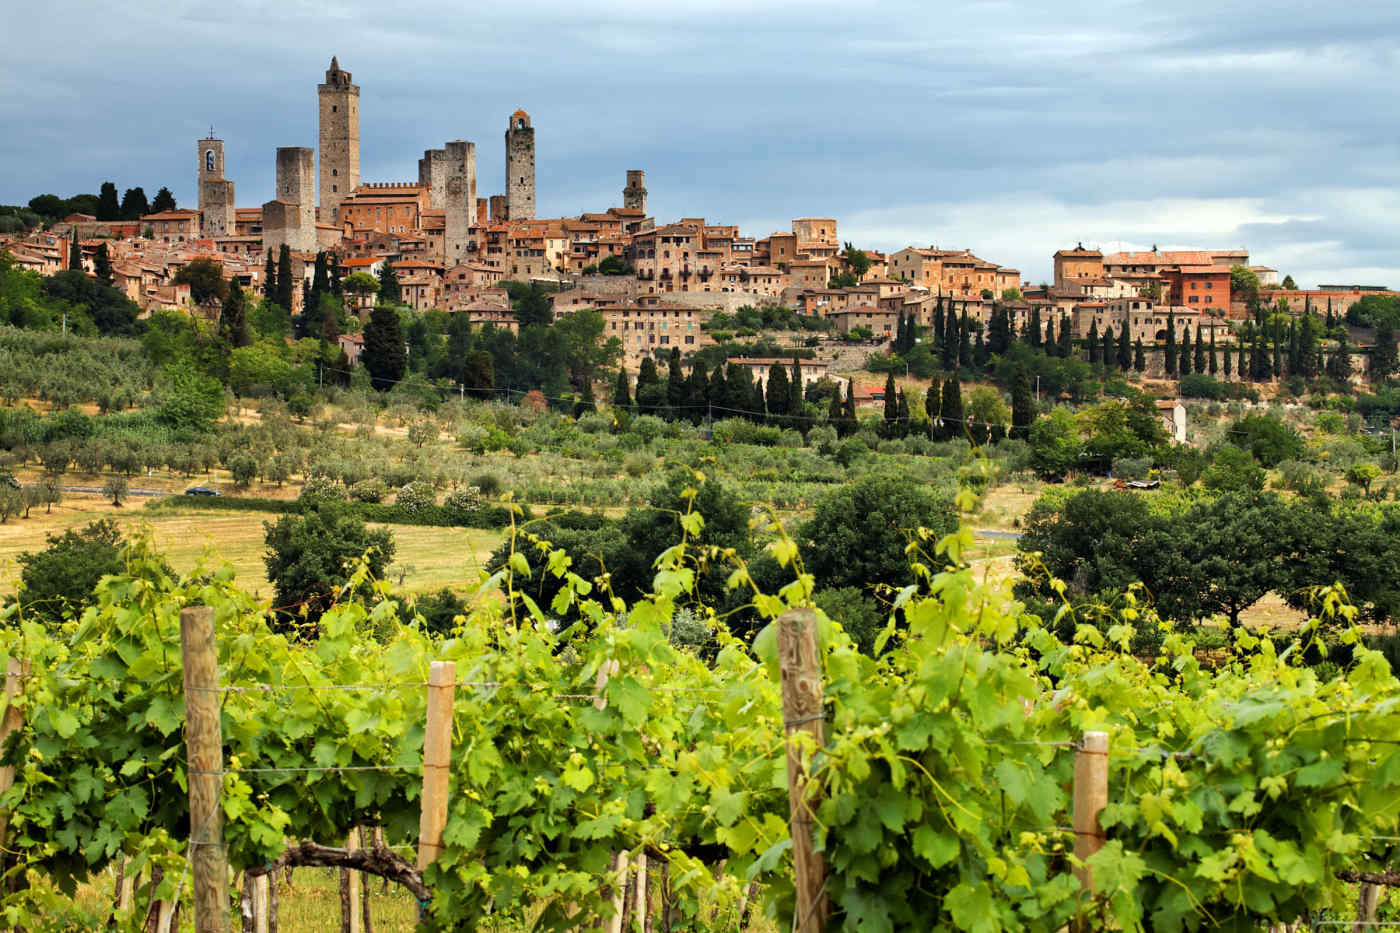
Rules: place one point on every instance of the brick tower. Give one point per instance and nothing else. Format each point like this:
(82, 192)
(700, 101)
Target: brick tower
(215, 191)
(520, 167)
(340, 141)
(634, 196)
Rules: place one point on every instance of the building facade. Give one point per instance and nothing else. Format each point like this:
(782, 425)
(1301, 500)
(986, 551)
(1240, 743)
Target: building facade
(339, 101)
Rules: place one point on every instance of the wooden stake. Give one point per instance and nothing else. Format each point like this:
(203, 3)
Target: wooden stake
(800, 663)
(437, 759)
(272, 903)
(619, 898)
(205, 753)
(261, 906)
(639, 909)
(16, 673)
(355, 887)
(1090, 797)
(1367, 904)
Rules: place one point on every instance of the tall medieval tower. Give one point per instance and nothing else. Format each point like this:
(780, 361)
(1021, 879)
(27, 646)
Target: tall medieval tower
(520, 167)
(634, 196)
(215, 191)
(340, 141)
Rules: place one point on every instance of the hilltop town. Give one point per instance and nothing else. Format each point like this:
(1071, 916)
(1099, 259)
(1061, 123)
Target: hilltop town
(656, 283)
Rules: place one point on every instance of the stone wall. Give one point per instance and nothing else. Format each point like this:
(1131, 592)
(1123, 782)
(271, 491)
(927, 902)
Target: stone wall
(520, 168)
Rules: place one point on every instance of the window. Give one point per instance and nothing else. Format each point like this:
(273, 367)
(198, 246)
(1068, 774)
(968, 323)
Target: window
(333, 108)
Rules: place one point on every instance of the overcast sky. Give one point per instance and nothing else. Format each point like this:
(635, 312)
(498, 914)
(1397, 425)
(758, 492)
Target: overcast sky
(1012, 128)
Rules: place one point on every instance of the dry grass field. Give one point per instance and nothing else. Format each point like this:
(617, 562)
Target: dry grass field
(427, 558)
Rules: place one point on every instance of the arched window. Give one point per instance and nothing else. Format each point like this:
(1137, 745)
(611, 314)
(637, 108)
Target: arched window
(209, 161)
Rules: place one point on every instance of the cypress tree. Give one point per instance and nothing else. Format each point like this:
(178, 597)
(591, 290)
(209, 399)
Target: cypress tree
(933, 404)
(950, 340)
(389, 291)
(134, 205)
(697, 393)
(1022, 405)
(1049, 341)
(1035, 329)
(902, 415)
(163, 201)
(650, 395)
(333, 274)
(676, 385)
(1109, 355)
(1125, 349)
(586, 403)
(1065, 345)
(938, 330)
(1183, 359)
(719, 391)
(1278, 352)
(891, 406)
(833, 411)
(270, 278)
(1214, 361)
(102, 266)
(233, 319)
(779, 392)
(1198, 361)
(964, 339)
(75, 251)
(796, 394)
(981, 353)
(1171, 344)
(1139, 357)
(899, 334)
(1294, 346)
(1093, 342)
(621, 397)
(1242, 361)
(1383, 357)
(952, 413)
(849, 421)
(384, 356)
(320, 281)
(1228, 356)
(1339, 367)
(285, 282)
(108, 207)
(999, 331)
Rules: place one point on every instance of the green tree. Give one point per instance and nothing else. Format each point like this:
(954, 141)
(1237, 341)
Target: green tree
(1238, 545)
(1198, 361)
(858, 533)
(1233, 469)
(1023, 407)
(285, 281)
(891, 406)
(1245, 283)
(115, 487)
(1268, 438)
(310, 559)
(205, 277)
(1171, 344)
(1289, 284)
(1125, 348)
(57, 582)
(1139, 356)
(134, 205)
(951, 415)
(108, 207)
(622, 395)
(1383, 358)
(856, 261)
(233, 318)
(651, 393)
(102, 266)
(163, 201)
(779, 391)
(1214, 360)
(384, 357)
(1339, 366)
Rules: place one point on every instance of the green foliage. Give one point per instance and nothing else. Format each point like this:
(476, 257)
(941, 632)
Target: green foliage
(1267, 437)
(1233, 469)
(57, 582)
(384, 356)
(205, 277)
(310, 561)
(858, 534)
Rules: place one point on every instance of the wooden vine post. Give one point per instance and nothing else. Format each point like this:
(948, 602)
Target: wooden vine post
(800, 663)
(15, 675)
(619, 861)
(437, 760)
(1090, 797)
(204, 746)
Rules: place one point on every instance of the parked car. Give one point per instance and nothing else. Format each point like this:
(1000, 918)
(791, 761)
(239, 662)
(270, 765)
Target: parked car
(201, 491)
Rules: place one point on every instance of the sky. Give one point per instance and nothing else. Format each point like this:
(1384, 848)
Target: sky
(1010, 128)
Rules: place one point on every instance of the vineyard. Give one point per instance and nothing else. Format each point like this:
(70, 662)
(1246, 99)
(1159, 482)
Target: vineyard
(939, 777)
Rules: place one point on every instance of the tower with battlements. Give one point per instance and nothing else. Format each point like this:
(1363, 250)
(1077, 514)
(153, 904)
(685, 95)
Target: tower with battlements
(340, 141)
(215, 191)
(634, 196)
(520, 167)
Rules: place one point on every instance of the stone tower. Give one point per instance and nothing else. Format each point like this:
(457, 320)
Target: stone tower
(432, 174)
(634, 196)
(290, 218)
(459, 199)
(520, 168)
(340, 141)
(215, 191)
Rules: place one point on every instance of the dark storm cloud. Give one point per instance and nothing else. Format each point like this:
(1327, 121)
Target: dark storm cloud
(1012, 128)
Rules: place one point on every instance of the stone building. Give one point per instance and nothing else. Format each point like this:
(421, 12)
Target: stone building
(1075, 265)
(432, 174)
(634, 196)
(385, 207)
(520, 168)
(216, 208)
(459, 199)
(290, 218)
(340, 140)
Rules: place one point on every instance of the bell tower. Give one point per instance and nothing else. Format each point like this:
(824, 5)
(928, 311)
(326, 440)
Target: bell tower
(215, 191)
(520, 167)
(340, 142)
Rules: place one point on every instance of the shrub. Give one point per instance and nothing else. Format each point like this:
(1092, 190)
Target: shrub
(1132, 467)
(59, 580)
(638, 464)
(321, 488)
(415, 496)
(373, 489)
(468, 499)
(1201, 385)
(244, 468)
(488, 483)
(647, 427)
(310, 558)
(822, 439)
